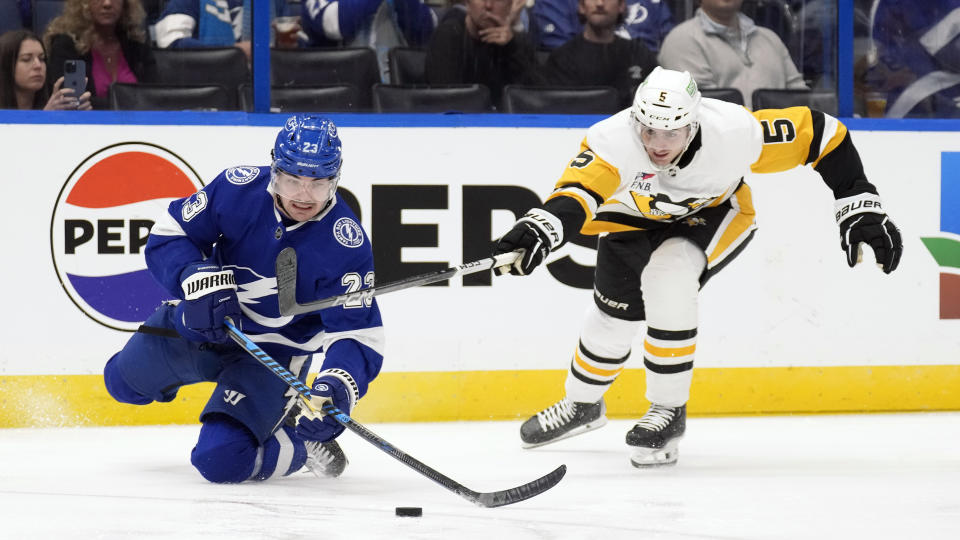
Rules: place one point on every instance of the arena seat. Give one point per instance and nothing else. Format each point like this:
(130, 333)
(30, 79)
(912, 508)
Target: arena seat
(163, 97)
(464, 98)
(560, 99)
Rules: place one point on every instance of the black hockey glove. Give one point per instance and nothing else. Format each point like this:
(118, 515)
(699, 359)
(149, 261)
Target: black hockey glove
(862, 221)
(534, 235)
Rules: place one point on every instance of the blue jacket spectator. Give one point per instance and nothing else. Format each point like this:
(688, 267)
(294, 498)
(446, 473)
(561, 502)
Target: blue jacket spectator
(554, 22)
(186, 24)
(379, 24)
(919, 57)
(200, 23)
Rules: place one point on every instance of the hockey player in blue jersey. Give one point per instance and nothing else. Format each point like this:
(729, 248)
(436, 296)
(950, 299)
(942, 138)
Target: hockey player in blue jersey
(215, 252)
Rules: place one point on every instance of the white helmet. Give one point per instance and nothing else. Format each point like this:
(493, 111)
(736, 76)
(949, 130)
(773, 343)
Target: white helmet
(666, 99)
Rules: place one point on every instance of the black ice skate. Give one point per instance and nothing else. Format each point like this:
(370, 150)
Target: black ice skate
(656, 436)
(326, 460)
(561, 420)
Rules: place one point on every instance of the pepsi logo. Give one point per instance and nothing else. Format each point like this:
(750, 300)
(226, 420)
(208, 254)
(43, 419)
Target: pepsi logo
(100, 225)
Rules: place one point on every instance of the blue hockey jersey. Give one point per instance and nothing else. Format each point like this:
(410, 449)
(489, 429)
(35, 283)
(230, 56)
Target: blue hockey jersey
(199, 23)
(554, 22)
(234, 222)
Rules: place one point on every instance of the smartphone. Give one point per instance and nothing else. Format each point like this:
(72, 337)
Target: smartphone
(75, 76)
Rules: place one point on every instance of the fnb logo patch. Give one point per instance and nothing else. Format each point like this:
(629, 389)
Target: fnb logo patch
(945, 247)
(100, 225)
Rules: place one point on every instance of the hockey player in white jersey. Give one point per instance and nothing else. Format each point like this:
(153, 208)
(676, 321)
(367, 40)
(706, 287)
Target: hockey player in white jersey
(215, 252)
(662, 185)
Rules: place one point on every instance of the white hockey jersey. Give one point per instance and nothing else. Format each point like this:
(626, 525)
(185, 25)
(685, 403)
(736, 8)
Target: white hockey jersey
(618, 189)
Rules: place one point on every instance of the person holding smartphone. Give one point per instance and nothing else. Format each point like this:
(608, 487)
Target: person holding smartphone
(23, 74)
(109, 36)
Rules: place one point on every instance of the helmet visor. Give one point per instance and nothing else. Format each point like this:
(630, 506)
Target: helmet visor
(302, 188)
(664, 139)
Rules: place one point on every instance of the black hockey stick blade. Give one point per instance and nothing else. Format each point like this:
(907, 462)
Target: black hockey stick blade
(488, 500)
(286, 267)
(520, 493)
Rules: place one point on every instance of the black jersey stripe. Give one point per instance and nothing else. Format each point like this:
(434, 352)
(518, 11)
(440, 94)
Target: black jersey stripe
(671, 335)
(814, 152)
(583, 378)
(667, 369)
(589, 191)
(600, 359)
(630, 221)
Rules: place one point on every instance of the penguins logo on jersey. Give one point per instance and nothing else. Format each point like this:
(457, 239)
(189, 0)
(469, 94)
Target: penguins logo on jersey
(348, 232)
(242, 175)
(661, 207)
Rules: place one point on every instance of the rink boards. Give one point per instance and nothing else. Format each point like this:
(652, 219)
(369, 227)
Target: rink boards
(787, 327)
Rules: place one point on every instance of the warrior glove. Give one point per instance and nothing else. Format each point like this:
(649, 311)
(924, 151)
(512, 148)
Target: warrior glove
(534, 235)
(863, 221)
(334, 386)
(210, 295)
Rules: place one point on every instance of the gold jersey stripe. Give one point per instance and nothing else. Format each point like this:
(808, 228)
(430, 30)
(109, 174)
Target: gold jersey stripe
(668, 352)
(597, 227)
(739, 225)
(594, 370)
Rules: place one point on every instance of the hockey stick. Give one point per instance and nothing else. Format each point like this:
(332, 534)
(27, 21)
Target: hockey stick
(489, 500)
(286, 266)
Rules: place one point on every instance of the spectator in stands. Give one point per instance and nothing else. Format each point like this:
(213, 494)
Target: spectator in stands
(597, 56)
(193, 24)
(722, 47)
(23, 76)
(482, 48)
(917, 64)
(378, 24)
(554, 22)
(109, 35)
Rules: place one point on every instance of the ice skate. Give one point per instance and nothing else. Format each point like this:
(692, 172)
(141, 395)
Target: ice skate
(561, 420)
(656, 436)
(325, 459)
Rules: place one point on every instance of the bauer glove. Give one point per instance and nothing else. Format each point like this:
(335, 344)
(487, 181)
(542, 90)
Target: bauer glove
(210, 295)
(863, 221)
(335, 386)
(534, 235)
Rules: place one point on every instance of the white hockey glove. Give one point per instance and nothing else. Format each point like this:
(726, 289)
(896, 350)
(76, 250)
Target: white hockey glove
(535, 235)
(863, 221)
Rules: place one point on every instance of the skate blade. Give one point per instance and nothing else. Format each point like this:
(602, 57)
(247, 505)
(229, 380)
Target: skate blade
(589, 426)
(648, 458)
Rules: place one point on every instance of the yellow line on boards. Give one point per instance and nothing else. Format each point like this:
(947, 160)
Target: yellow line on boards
(78, 400)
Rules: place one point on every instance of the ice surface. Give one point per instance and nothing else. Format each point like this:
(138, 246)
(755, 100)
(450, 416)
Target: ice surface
(883, 476)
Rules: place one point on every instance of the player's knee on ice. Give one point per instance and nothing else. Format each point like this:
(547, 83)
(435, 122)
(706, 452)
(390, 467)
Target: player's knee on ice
(117, 386)
(226, 452)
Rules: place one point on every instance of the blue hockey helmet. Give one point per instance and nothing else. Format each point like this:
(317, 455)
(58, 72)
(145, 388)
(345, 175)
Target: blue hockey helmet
(308, 145)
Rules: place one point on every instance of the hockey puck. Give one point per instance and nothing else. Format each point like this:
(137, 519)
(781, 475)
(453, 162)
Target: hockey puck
(409, 511)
